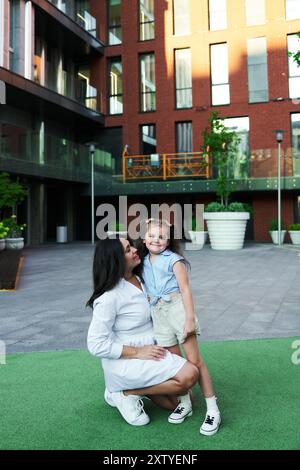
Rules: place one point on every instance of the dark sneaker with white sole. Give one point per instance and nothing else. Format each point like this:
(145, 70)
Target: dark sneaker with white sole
(211, 423)
(180, 413)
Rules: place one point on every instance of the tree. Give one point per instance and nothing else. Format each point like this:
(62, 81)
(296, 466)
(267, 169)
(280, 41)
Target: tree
(296, 55)
(11, 192)
(221, 144)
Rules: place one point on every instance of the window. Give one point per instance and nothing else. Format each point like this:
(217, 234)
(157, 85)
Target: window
(295, 125)
(217, 15)
(292, 9)
(257, 70)
(115, 87)
(219, 74)
(146, 20)
(294, 69)
(148, 139)
(147, 74)
(255, 12)
(240, 162)
(114, 22)
(184, 137)
(14, 35)
(183, 78)
(181, 15)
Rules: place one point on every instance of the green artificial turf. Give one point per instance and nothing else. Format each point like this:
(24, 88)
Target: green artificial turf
(54, 400)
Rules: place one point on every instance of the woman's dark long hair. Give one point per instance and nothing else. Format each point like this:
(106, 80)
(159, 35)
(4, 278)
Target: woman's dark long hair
(108, 267)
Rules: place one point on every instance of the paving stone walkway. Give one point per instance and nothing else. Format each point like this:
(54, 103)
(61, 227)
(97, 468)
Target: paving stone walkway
(252, 293)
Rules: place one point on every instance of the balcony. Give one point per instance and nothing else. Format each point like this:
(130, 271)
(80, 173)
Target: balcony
(62, 82)
(50, 156)
(78, 14)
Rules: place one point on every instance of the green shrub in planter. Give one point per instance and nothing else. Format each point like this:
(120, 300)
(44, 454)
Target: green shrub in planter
(274, 225)
(232, 207)
(3, 231)
(292, 227)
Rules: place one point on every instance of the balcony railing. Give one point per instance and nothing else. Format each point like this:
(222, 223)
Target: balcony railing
(53, 156)
(80, 16)
(261, 163)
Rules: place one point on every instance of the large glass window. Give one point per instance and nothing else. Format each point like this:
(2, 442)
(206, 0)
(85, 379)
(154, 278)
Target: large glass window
(295, 125)
(146, 20)
(148, 89)
(14, 35)
(148, 139)
(114, 22)
(240, 163)
(181, 15)
(219, 74)
(294, 69)
(292, 9)
(183, 78)
(255, 12)
(217, 14)
(115, 87)
(184, 137)
(258, 88)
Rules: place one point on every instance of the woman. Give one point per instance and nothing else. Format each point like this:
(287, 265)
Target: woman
(121, 334)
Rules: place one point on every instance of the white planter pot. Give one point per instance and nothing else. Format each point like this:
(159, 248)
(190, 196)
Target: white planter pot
(61, 234)
(226, 229)
(295, 236)
(199, 238)
(274, 235)
(114, 234)
(14, 243)
(2, 244)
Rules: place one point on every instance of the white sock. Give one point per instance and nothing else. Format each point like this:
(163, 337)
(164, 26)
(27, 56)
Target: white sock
(185, 399)
(211, 404)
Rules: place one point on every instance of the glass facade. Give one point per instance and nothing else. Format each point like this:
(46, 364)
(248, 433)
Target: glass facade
(114, 22)
(219, 74)
(258, 88)
(294, 69)
(295, 128)
(147, 78)
(183, 78)
(146, 13)
(14, 35)
(240, 163)
(115, 87)
(181, 17)
(217, 14)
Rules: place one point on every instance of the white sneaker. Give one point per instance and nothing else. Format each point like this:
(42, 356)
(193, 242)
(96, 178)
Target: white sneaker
(182, 411)
(131, 407)
(211, 423)
(108, 399)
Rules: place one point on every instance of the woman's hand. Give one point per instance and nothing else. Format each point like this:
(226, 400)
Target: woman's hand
(151, 352)
(189, 327)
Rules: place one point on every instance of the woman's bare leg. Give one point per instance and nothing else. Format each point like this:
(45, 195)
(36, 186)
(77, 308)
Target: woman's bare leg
(165, 401)
(180, 383)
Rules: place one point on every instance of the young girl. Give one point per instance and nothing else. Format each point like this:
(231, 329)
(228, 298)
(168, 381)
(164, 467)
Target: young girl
(165, 275)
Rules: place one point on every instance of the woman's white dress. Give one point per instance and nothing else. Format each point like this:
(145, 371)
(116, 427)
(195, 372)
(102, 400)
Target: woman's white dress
(121, 317)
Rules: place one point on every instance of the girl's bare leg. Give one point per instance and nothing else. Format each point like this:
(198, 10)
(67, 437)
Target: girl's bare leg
(165, 401)
(191, 349)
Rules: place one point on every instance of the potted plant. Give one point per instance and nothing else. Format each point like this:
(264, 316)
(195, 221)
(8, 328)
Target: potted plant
(117, 229)
(14, 239)
(274, 231)
(294, 232)
(226, 222)
(3, 233)
(197, 234)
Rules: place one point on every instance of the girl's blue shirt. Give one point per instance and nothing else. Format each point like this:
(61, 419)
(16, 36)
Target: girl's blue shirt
(159, 278)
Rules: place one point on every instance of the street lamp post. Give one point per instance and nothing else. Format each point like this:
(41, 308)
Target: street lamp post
(279, 138)
(92, 153)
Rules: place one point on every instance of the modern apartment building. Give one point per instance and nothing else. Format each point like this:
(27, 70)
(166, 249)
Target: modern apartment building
(141, 78)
